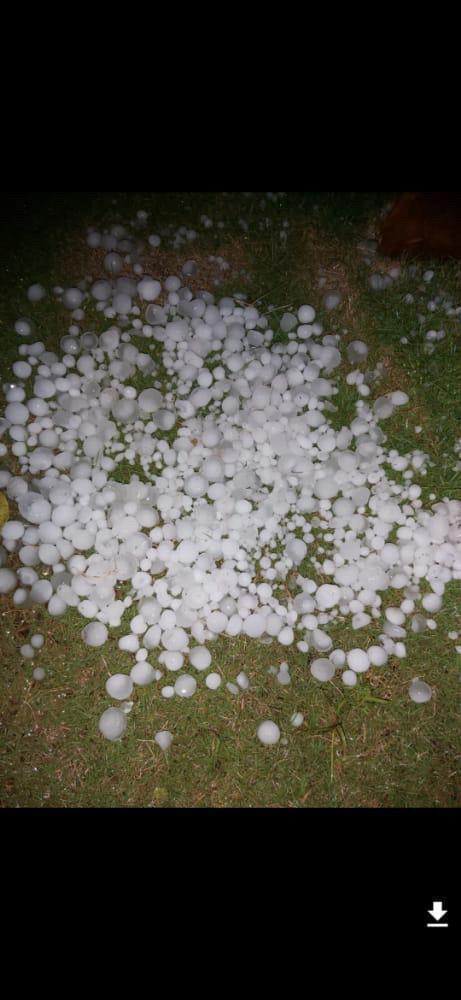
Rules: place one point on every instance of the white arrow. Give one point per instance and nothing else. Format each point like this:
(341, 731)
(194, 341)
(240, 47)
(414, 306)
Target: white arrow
(437, 912)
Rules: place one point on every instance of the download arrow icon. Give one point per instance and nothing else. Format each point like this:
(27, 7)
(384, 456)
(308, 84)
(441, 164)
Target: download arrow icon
(437, 911)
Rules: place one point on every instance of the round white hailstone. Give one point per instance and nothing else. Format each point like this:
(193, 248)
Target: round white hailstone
(185, 686)
(187, 552)
(216, 622)
(431, 602)
(164, 739)
(232, 688)
(358, 660)
(268, 733)
(142, 673)
(200, 657)
(320, 640)
(327, 596)
(95, 634)
(167, 691)
(419, 691)
(213, 681)
(113, 263)
(399, 398)
(8, 581)
(119, 686)
(101, 290)
(17, 413)
(296, 550)
(112, 724)
(306, 314)
(122, 303)
(56, 606)
(35, 293)
(37, 640)
(38, 674)
(254, 625)
(195, 486)
(149, 289)
(395, 616)
(41, 592)
(338, 657)
(286, 636)
(23, 327)
(242, 680)
(377, 656)
(349, 678)
(27, 651)
(72, 298)
(297, 719)
(322, 669)
(174, 639)
(287, 322)
(172, 659)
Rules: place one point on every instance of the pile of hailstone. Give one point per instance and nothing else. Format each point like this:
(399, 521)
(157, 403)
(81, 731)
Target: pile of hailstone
(243, 479)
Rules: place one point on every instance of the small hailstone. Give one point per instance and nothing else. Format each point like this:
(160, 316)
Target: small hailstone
(27, 651)
(38, 674)
(167, 691)
(453, 635)
(283, 675)
(377, 656)
(35, 293)
(164, 739)
(268, 733)
(37, 640)
(232, 688)
(419, 691)
(112, 724)
(297, 719)
(213, 681)
(242, 680)
(349, 678)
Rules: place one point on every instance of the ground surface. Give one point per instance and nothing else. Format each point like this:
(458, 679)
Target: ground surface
(369, 746)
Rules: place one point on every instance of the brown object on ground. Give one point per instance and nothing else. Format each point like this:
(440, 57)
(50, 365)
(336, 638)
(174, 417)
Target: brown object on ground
(423, 224)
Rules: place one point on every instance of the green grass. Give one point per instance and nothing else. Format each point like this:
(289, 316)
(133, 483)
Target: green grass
(367, 746)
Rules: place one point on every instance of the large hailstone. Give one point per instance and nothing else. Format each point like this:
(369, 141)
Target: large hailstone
(185, 686)
(419, 691)
(94, 634)
(149, 289)
(200, 657)
(327, 596)
(8, 581)
(268, 733)
(119, 686)
(112, 724)
(322, 669)
(358, 660)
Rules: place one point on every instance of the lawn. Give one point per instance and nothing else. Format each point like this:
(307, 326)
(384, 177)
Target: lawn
(369, 746)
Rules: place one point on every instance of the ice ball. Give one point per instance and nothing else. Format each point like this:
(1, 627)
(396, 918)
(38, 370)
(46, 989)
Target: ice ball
(112, 724)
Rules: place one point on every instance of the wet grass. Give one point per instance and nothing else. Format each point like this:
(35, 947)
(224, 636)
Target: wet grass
(367, 746)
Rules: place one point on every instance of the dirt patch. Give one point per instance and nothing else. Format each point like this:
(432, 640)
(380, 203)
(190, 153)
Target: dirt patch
(160, 263)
